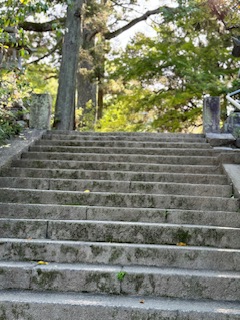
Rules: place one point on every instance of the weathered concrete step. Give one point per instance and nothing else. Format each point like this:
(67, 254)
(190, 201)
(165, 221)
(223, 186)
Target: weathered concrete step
(129, 135)
(149, 281)
(75, 306)
(123, 151)
(121, 232)
(120, 254)
(46, 211)
(117, 186)
(119, 158)
(133, 200)
(159, 159)
(117, 175)
(116, 166)
(63, 212)
(54, 141)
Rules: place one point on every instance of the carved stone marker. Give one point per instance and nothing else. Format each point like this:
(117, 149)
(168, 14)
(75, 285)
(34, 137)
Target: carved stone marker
(40, 111)
(211, 115)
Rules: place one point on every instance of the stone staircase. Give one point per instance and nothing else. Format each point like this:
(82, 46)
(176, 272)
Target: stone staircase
(118, 226)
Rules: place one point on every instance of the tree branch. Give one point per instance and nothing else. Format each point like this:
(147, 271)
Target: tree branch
(49, 52)
(41, 27)
(111, 35)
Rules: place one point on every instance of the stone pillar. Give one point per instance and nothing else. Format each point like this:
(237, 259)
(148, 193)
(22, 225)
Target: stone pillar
(211, 115)
(40, 111)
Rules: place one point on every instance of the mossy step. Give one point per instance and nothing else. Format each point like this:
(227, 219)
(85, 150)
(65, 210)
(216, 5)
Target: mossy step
(74, 306)
(124, 151)
(124, 144)
(121, 232)
(129, 135)
(127, 280)
(120, 254)
(67, 212)
(207, 178)
(116, 166)
(117, 186)
(133, 200)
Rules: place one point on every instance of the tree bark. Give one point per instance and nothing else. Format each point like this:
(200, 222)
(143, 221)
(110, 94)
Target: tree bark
(86, 85)
(65, 105)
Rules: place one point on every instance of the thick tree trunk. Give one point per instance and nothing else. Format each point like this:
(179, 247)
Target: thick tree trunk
(65, 105)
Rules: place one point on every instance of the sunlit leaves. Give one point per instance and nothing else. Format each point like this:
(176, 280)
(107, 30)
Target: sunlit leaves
(190, 57)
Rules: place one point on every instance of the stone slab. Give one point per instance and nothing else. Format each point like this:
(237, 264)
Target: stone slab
(142, 187)
(104, 213)
(233, 171)
(189, 257)
(119, 152)
(14, 147)
(130, 200)
(71, 167)
(182, 177)
(148, 281)
(55, 141)
(72, 306)
(125, 162)
(220, 139)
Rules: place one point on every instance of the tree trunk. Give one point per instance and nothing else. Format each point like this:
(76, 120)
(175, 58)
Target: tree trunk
(86, 84)
(65, 105)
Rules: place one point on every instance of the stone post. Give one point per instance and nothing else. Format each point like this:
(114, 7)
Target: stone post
(211, 115)
(40, 111)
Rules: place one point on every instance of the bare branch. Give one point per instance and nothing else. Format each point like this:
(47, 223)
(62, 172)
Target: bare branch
(111, 35)
(48, 53)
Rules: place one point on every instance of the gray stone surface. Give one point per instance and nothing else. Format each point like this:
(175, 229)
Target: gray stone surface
(15, 147)
(220, 139)
(40, 111)
(111, 199)
(159, 219)
(189, 257)
(61, 212)
(211, 115)
(136, 280)
(233, 171)
(70, 306)
(179, 177)
(117, 186)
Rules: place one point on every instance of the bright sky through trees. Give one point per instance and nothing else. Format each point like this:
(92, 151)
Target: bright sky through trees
(144, 26)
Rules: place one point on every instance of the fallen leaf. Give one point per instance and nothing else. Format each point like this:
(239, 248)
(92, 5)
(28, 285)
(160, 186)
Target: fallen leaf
(42, 262)
(181, 244)
(141, 301)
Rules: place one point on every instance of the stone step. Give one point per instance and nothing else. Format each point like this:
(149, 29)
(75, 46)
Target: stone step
(117, 175)
(121, 232)
(54, 141)
(133, 200)
(151, 215)
(74, 306)
(125, 163)
(144, 136)
(127, 254)
(118, 186)
(116, 166)
(124, 151)
(127, 280)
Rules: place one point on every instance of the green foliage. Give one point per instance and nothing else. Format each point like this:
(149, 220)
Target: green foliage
(14, 88)
(166, 77)
(121, 275)
(85, 119)
(8, 125)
